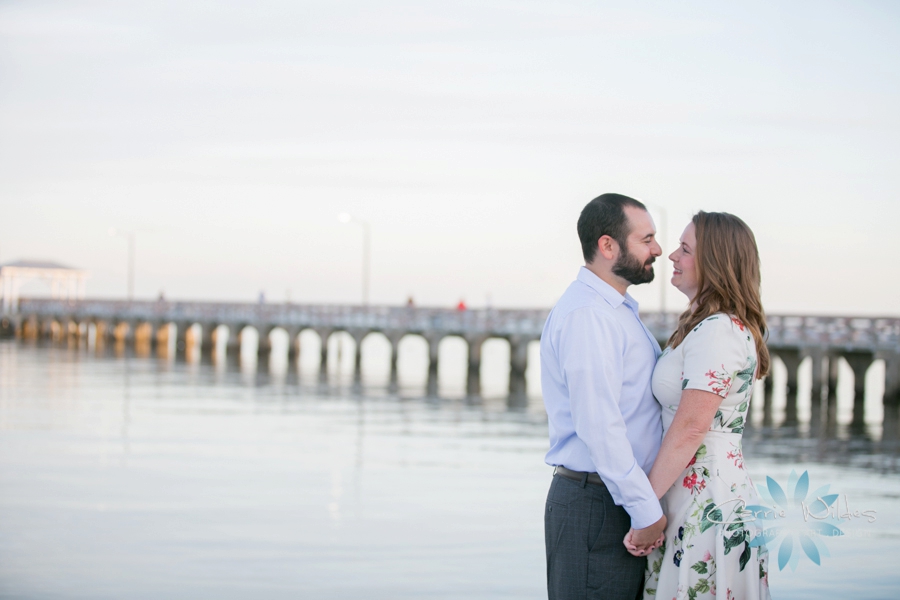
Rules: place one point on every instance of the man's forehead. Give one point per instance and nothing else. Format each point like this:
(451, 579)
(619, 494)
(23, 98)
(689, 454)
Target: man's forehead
(640, 221)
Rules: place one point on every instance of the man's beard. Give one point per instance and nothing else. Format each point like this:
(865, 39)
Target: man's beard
(629, 268)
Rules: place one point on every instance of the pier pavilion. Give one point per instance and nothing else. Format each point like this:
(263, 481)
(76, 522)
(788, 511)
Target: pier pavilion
(65, 282)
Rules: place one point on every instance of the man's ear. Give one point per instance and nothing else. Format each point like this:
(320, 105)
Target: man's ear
(608, 247)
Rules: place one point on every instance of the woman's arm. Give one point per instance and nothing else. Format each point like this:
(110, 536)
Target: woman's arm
(692, 419)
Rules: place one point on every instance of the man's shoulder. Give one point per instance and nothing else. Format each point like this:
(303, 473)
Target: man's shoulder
(580, 301)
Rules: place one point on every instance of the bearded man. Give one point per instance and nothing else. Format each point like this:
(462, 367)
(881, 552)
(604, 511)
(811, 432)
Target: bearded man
(605, 429)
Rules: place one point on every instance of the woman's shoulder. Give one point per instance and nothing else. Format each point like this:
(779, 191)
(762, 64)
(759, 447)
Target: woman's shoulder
(721, 327)
(721, 320)
(720, 345)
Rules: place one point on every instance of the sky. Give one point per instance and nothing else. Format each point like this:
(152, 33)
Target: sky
(230, 135)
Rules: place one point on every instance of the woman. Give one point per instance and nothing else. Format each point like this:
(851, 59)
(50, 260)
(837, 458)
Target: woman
(704, 382)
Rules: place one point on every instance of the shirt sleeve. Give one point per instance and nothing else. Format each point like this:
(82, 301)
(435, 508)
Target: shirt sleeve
(591, 353)
(715, 351)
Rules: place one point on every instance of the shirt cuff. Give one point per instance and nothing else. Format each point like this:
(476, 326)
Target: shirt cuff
(645, 514)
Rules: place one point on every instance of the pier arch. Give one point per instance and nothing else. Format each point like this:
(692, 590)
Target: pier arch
(341, 348)
(376, 350)
(279, 343)
(248, 342)
(495, 367)
(453, 363)
(413, 359)
(310, 346)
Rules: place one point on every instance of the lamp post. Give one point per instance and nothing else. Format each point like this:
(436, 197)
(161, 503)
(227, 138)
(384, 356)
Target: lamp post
(348, 218)
(661, 236)
(129, 236)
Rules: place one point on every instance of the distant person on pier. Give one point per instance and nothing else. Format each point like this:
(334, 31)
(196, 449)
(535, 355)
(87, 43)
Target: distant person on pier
(605, 430)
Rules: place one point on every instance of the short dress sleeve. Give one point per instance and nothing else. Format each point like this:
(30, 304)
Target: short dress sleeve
(718, 354)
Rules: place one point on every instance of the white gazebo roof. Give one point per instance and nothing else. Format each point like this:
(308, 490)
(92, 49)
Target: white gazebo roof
(65, 282)
(37, 264)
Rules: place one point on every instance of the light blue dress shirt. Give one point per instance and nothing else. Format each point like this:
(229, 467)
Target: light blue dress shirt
(597, 360)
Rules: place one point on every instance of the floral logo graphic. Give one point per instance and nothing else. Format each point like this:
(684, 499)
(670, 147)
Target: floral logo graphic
(799, 517)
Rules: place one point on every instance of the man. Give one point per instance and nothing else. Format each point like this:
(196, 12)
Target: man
(605, 429)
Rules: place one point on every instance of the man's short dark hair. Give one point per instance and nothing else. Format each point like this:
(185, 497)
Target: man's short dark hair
(605, 215)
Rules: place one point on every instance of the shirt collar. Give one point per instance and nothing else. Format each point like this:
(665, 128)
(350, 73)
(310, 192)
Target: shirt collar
(608, 292)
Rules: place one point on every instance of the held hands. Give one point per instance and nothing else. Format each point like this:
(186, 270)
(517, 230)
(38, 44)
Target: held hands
(640, 542)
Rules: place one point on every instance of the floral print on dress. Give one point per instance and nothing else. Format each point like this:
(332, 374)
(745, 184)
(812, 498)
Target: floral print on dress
(696, 478)
(736, 455)
(719, 381)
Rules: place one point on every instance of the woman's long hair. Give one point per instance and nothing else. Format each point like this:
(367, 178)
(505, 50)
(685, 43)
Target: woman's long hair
(727, 263)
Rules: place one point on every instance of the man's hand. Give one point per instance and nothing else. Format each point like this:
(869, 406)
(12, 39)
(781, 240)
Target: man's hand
(640, 542)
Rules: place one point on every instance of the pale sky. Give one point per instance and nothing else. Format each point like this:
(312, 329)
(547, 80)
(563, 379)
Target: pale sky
(468, 134)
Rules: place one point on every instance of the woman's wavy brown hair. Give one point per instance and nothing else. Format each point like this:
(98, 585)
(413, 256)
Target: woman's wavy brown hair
(727, 263)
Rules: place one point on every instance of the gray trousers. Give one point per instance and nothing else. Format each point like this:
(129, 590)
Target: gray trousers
(583, 532)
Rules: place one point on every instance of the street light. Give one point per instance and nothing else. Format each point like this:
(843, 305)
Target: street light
(128, 235)
(348, 218)
(661, 236)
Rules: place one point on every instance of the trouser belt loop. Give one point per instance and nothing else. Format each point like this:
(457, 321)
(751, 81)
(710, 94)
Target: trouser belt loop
(584, 480)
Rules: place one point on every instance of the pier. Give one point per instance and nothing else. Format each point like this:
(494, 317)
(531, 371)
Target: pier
(206, 326)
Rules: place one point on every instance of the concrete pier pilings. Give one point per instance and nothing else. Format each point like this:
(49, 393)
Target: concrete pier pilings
(208, 336)
(324, 333)
(824, 367)
(793, 339)
(891, 378)
(293, 334)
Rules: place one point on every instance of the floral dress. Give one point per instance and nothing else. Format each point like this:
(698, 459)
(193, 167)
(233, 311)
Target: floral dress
(707, 552)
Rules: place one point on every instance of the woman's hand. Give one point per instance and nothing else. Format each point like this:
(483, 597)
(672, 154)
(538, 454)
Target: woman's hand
(634, 547)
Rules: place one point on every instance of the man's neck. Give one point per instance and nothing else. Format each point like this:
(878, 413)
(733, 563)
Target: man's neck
(606, 274)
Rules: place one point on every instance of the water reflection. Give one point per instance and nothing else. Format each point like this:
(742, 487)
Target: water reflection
(787, 421)
(218, 468)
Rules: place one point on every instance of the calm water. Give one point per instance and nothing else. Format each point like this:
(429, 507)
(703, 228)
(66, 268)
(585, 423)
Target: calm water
(140, 477)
